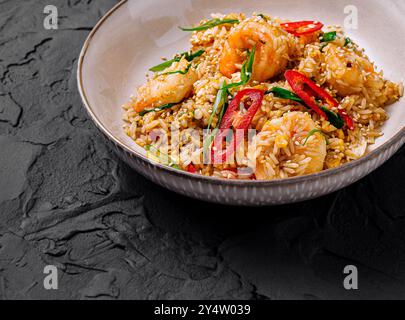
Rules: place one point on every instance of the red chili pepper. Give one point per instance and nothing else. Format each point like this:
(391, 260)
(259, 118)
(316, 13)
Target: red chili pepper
(256, 97)
(301, 28)
(308, 90)
(190, 168)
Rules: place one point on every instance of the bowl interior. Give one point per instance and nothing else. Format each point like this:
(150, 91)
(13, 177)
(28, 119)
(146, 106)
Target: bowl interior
(138, 33)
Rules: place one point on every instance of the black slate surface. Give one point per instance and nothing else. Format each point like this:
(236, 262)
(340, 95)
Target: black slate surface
(66, 200)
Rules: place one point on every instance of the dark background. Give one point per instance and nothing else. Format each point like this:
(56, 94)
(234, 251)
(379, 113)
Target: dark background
(66, 200)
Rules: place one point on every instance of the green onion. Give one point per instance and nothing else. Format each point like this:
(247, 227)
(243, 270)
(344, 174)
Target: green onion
(246, 71)
(171, 163)
(208, 140)
(219, 103)
(165, 106)
(334, 118)
(329, 36)
(284, 94)
(164, 65)
(323, 46)
(191, 56)
(214, 132)
(347, 42)
(312, 132)
(210, 24)
(177, 71)
(187, 55)
(247, 67)
(264, 17)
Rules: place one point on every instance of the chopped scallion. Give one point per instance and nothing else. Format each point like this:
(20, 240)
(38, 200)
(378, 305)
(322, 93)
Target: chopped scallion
(334, 118)
(220, 101)
(210, 24)
(177, 71)
(157, 109)
(187, 55)
(284, 94)
(312, 132)
(329, 36)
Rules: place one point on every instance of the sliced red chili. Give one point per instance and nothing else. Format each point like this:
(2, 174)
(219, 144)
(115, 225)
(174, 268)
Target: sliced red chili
(228, 122)
(308, 91)
(301, 28)
(190, 168)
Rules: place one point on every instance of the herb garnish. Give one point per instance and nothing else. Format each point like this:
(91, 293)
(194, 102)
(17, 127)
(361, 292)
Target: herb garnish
(177, 71)
(246, 71)
(220, 101)
(347, 42)
(210, 24)
(170, 163)
(312, 132)
(329, 36)
(187, 55)
(284, 94)
(264, 17)
(334, 118)
(163, 107)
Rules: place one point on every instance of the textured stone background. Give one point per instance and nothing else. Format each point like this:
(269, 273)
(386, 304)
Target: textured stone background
(65, 199)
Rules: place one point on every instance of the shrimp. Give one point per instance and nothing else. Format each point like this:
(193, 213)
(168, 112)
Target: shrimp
(348, 71)
(272, 50)
(289, 146)
(166, 88)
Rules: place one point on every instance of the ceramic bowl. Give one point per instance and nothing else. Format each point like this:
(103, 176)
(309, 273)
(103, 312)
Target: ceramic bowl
(135, 34)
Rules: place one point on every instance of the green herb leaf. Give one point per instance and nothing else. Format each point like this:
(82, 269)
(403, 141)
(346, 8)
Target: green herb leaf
(223, 99)
(210, 24)
(246, 71)
(347, 42)
(312, 132)
(214, 132)
(329, 36)
(170, 163)
(264, 17)
(284, 94)
(334, 118)
(189, 57)
(247, 67)
(165, 106)
(208, 140)
(323, 46)
(219, 103)
(164, 65)
(177, 71)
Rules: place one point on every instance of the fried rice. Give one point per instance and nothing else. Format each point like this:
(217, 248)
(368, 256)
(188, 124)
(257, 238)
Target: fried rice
(288, 138)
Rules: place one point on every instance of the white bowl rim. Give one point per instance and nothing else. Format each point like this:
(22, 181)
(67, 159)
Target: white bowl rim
(214, 180)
